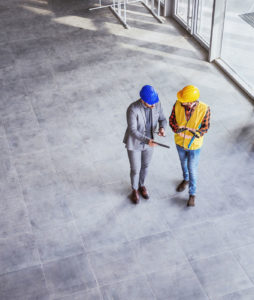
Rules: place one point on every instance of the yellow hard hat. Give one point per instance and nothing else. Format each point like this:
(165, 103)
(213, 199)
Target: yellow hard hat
(189, 93)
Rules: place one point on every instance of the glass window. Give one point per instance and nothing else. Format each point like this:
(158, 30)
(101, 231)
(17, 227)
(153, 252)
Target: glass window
(204, 20)
(197, 20)
(184, 11)
(238, 39)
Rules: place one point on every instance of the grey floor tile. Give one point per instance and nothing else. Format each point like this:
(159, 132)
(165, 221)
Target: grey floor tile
(48, 98)
(27, 284)
(2, 131)
(239, 191)
(61, 136)
(58, 242)
(121, 171)
(221, 275)
(10, 186)
(34, 164)
(69, 158)
(33, 193)
(237, 230)
(158, 252)
(93, 294)
(27, 142)
(37, 70)
(179, 282)
(47, 208)
(18, 121)
(58, 183)
(39, 83)
(69, 275)
(84, 177)
(200, 241)
(35, 51)
(175, 207)
(47, 111)
(18, 252)
(95, 144)
(13, 96)
(240, 295)
(7, 169)
(7, 55)
(112, 264)
(161, 180)
(221, 206)
(90, 201)
(100, 227)
(13, 217)
(134, 289)
(18, 103)
(4, 147)
(245, 258)
(139, 221)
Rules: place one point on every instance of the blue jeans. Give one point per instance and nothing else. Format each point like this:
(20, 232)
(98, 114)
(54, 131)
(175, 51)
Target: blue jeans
(189, 162)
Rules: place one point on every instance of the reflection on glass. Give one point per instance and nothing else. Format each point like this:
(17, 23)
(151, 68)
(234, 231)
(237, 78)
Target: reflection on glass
(182, 10)
(204, 19)
(238, 39)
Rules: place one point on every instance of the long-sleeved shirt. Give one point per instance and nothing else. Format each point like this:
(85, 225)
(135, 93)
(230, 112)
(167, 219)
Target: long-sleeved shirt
(188, 112)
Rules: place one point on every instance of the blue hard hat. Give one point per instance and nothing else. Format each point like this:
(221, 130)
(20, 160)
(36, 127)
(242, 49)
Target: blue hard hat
(149, 95)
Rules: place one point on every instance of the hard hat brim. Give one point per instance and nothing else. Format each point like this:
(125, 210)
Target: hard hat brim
(152, 101)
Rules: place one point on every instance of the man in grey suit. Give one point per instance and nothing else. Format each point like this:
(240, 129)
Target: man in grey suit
(143, 116)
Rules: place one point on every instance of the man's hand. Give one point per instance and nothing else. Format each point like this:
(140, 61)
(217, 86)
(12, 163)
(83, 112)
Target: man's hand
(195, 133)
(161, 132)
(151, 143)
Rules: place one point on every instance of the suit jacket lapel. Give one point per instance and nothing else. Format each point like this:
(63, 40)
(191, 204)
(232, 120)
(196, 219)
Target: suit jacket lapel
(142, 112)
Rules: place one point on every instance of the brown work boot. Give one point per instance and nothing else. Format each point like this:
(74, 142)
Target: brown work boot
(143, 192)
(182, 186)
(135, 197)
(191, 201)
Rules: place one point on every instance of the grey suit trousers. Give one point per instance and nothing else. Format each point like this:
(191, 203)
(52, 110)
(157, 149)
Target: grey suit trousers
(139, 162)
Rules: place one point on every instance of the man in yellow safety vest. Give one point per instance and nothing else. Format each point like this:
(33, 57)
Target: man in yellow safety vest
(190, 120)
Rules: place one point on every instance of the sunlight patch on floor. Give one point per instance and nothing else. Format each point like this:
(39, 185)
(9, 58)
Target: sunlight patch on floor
(76, 21)
(39, 2)
(39, 11)
(143, 14)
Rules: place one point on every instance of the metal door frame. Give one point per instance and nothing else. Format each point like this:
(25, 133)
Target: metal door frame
(192, 16)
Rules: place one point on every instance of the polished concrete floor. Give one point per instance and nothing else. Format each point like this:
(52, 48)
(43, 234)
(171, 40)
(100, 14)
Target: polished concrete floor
(67, 227)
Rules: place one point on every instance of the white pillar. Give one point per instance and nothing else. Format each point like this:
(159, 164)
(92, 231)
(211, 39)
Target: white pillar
(169, 8)
(219, 11)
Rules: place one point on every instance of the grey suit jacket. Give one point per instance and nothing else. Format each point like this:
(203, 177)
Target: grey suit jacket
(134, 137)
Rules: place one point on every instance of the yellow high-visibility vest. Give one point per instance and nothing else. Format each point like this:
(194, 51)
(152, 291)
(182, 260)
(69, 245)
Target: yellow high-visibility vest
(184, 139)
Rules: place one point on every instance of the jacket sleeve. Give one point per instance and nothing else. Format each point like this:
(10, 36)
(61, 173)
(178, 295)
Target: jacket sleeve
(133, 125)
(162, 120)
